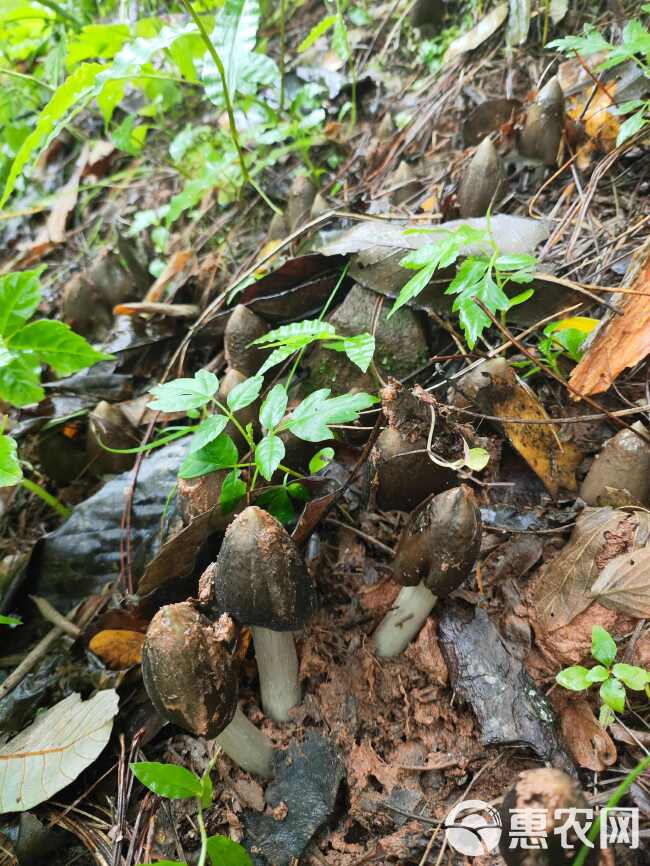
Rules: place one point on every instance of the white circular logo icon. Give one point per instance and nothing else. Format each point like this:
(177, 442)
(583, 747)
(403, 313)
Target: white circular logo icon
(473, 828)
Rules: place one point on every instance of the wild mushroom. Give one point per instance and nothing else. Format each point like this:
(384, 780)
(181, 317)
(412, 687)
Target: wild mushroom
(436, 552)
(262, 581)
(549, 793)
(243, 327)
(483, 182)
(540, 138)
(190, 674)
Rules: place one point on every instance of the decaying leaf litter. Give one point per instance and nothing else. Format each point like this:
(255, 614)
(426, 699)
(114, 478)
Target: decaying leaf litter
(493, 502)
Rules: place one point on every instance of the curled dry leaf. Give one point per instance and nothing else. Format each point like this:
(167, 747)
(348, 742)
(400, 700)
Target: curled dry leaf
(562, 588)
(54, 750)
(118, 649)
(624, 584)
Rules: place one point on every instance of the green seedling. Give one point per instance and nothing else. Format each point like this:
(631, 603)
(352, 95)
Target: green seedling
(11, 621)
(177, 783)
(635, 47)
(25, 347)
(483, 276)
(562, 339)
(612, 678)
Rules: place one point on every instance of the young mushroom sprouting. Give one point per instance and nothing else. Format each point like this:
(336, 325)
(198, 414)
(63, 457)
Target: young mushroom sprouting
(549, 795)
(436, 552)
(190, 674)
(261, 580)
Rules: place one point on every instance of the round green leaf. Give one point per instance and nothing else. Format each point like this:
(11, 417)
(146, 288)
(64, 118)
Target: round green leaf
(612, 692)
(634, 678)
(167, 780)
(598, 674)
(320, 460)
(603, 648)
(574, 678)
(268, 455)
(245, 393)
(274, 407)
(224, 852)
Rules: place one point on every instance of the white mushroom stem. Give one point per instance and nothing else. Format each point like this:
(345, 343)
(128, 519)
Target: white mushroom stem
(405, 619)
(247, 746)
(277, 664)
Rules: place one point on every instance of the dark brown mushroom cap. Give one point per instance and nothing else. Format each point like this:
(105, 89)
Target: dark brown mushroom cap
(544, 789)
(441, 541)
(189, 671)
(260, 577)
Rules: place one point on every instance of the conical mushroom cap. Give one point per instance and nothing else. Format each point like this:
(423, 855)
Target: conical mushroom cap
(540, 137)
(189, 671)
(482, 182)
(440, 543)
(260, 577)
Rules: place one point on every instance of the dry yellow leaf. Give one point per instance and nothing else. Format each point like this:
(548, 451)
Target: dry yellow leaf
(118, 649)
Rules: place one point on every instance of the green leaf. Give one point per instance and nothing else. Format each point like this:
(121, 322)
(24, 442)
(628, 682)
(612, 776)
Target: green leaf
(96, 41)
(294, 332)
(603, 648)
(477, 459)
(278, 503)
(182, 394)
(221, 453)
(274, 407)
(207, 431)
(276, 357)
(515, 262)
(20, 382)
(320, 460)
(612, 692)
(56, 344)
(167, 780)
(224, 852)
(20, 295)
(414, 286)
(309, 420)
(207, 790)
(590, 43)
(268, 455)
(634, 678)
(574, 678)
(74, 93)
(232, 492)
(632, 125)
(245, 393)
(10, 471)
(316, 32)
(11, 621)
(598, 674)
(606, 716)
(340, 40)
(134, 55)
(359, 349)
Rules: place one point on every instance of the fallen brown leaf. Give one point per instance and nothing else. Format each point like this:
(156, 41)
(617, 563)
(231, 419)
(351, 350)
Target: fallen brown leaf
(624, 584)
(589, 743)
(621, 341)
(118, 649)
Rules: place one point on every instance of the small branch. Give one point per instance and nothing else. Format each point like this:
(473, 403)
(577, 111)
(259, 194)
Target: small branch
(51, 614)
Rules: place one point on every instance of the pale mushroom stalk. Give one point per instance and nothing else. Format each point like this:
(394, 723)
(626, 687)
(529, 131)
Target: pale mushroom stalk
(404, 620)
(247, 746)
(277, 665)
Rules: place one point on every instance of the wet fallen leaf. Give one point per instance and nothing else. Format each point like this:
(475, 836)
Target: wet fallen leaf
(562, 588)
(589, 743)
(624, 584)
(488, 25)
(496, 390)
(623, 340)
(55, 749)
(118, 650)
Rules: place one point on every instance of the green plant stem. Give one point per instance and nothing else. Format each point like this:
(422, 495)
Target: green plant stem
(283, 48)
(50, 500)
(229, 105)
(21, 76)
(613, 801)
(204, 836)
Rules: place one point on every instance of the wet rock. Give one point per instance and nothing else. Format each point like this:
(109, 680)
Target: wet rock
(542, 132)
(401, 344)
(243, 327)
(622, 467)
(508, 707)
(307, 780)
(300, 201)
(482, 184)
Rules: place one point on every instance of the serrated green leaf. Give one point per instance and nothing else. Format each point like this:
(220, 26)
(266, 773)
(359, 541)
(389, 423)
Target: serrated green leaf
(310, 420)
(268, 455)
(207, 431)
(603, 648)
(167, 780)
(224, 852)
(321, 459)
(274, 407)
(68, 99)
(574, 678)
(598, 674)
(632, 125)
(359, 349)
(56, 344)
(245, 393)
(232, 492)
(414, 286)
(316, 32)
(20, 382)
(635, 678)
(20, 295)
(293, 333)
(612, 692)
(10, 471)
(96, 41)
(182, 394)
(591, 42)
(276, 357)
(221, 453)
